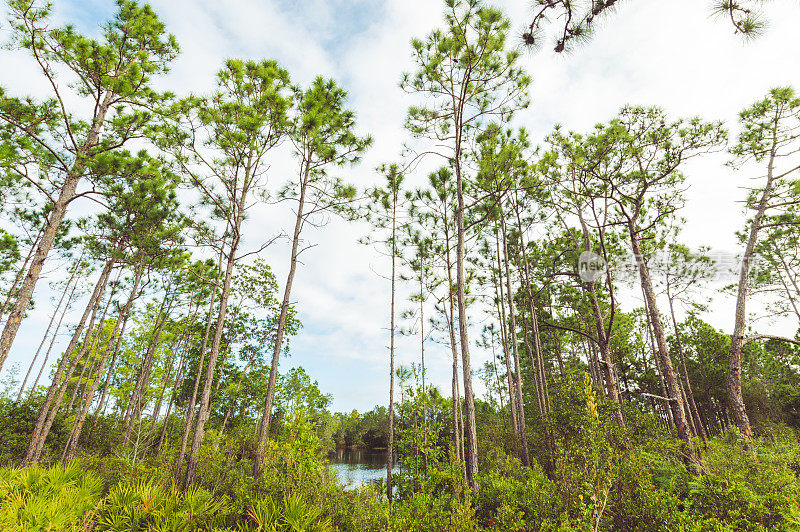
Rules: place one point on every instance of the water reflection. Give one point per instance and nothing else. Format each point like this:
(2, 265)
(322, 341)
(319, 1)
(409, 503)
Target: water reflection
(357, 467)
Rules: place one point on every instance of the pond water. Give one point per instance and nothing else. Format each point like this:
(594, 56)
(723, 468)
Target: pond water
(357, 467)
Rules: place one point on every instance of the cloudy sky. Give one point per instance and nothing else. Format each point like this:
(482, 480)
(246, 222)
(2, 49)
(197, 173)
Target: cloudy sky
(672, 54)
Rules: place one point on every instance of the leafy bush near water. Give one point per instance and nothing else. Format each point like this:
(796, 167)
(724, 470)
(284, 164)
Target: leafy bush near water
(599, 480)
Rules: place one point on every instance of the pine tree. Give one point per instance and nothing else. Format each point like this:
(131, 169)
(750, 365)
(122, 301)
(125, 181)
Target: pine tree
(322, 133)
(468, 77)
(112, 76)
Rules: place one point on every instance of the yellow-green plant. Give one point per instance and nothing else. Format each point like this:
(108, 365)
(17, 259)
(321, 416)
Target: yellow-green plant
(148, 505)
(59, 498)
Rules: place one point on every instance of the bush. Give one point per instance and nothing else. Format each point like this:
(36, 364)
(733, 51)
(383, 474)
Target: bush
(748, 494)
(16, 426)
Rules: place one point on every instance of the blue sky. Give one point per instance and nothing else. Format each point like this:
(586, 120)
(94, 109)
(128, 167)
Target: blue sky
(650, 52)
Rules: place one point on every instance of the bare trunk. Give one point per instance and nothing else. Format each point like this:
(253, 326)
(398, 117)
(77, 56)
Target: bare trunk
(124, 315)
(276, 352)
(178, 378)
(49, 326)
(75, 434)
(422, 357)
(735, 399)
(523, 432)
(18, 277)
(538, 365)
(390, 444)
(205, 398)
(512, 396)
(698, 423)
(157, 408)
(458, 427)
(43, 422)
(470, 429)
(52, 342)
(670, 375)
(189, 421)
(606, 363)
(90, 359)
(454, 382)
(136, 406)
(666, 410)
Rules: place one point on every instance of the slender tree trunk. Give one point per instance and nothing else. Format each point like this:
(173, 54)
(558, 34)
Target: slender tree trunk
(205, 398)
(666, 409)
(390, 444)
(501, 310)
(422, 357)
(49, 326)
(458, 427)
(52, 223)
(94, 342)
(670, 375)
(499, 382)
(470, 429)
(276, 352)
(75, 434)
(454, 381)
(735, 399)
(178, 378)
(52, 342)
(224, 424)
(182, 342)
(124, 315)
(606, 362)
(112, 365)
(88, 364)
(523, 432)
(157, 408)
(56, 391)
(187, 426)
(512, 396)
(700, 430)
(18, 277)
(559, 355)
(538, 367)
(136, 406)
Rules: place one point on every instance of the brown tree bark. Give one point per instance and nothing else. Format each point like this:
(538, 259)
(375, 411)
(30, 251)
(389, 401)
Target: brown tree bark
(178, 378)
(606, 363)
(458, 425)
(55, 392)
(205, 398)
(523, 431)
(390, 443)
(75, 433)
(512, 401)
(52, 342)
(670, 375)
(470, 429)
(135, 405)
(698, 423)
(189, 421)
(735, 399)
(276, 352)
(49, 326)
(115, 353)
(18, 277)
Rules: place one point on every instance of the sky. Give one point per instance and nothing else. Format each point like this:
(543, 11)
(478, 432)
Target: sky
(672, 54)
